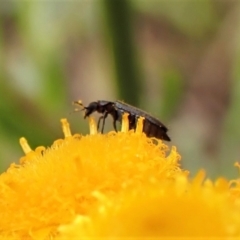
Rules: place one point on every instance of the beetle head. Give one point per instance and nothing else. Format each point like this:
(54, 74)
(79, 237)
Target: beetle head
(91, 108)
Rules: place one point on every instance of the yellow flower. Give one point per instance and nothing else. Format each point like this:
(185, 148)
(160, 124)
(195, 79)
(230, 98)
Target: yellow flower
(51, 187)
(172, 209)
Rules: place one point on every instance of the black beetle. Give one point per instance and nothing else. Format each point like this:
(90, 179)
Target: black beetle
(152, 127)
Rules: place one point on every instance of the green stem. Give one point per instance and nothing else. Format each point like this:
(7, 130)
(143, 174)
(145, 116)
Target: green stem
(118, 16)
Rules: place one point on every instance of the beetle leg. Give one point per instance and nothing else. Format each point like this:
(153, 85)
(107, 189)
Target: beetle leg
(132, 121)
(117, 116)
(115, 125)
(104, 117)
(99, 120)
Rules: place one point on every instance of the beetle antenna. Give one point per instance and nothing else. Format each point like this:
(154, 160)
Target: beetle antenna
(79, 103)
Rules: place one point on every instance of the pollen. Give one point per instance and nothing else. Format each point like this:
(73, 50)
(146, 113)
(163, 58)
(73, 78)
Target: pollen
(66, 128)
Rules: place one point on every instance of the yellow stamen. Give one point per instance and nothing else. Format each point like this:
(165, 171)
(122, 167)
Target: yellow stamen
(92, 126)
(66, 128)
(139, 128)
(125, 123)
(25, 146)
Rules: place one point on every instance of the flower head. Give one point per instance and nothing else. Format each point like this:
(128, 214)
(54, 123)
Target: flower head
(171, 209)
(112, 185)
(50, 187)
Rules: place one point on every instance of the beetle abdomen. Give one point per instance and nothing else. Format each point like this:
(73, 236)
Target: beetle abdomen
(152, 130)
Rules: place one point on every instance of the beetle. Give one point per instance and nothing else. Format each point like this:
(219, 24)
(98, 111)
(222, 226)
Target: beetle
(152, 127)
